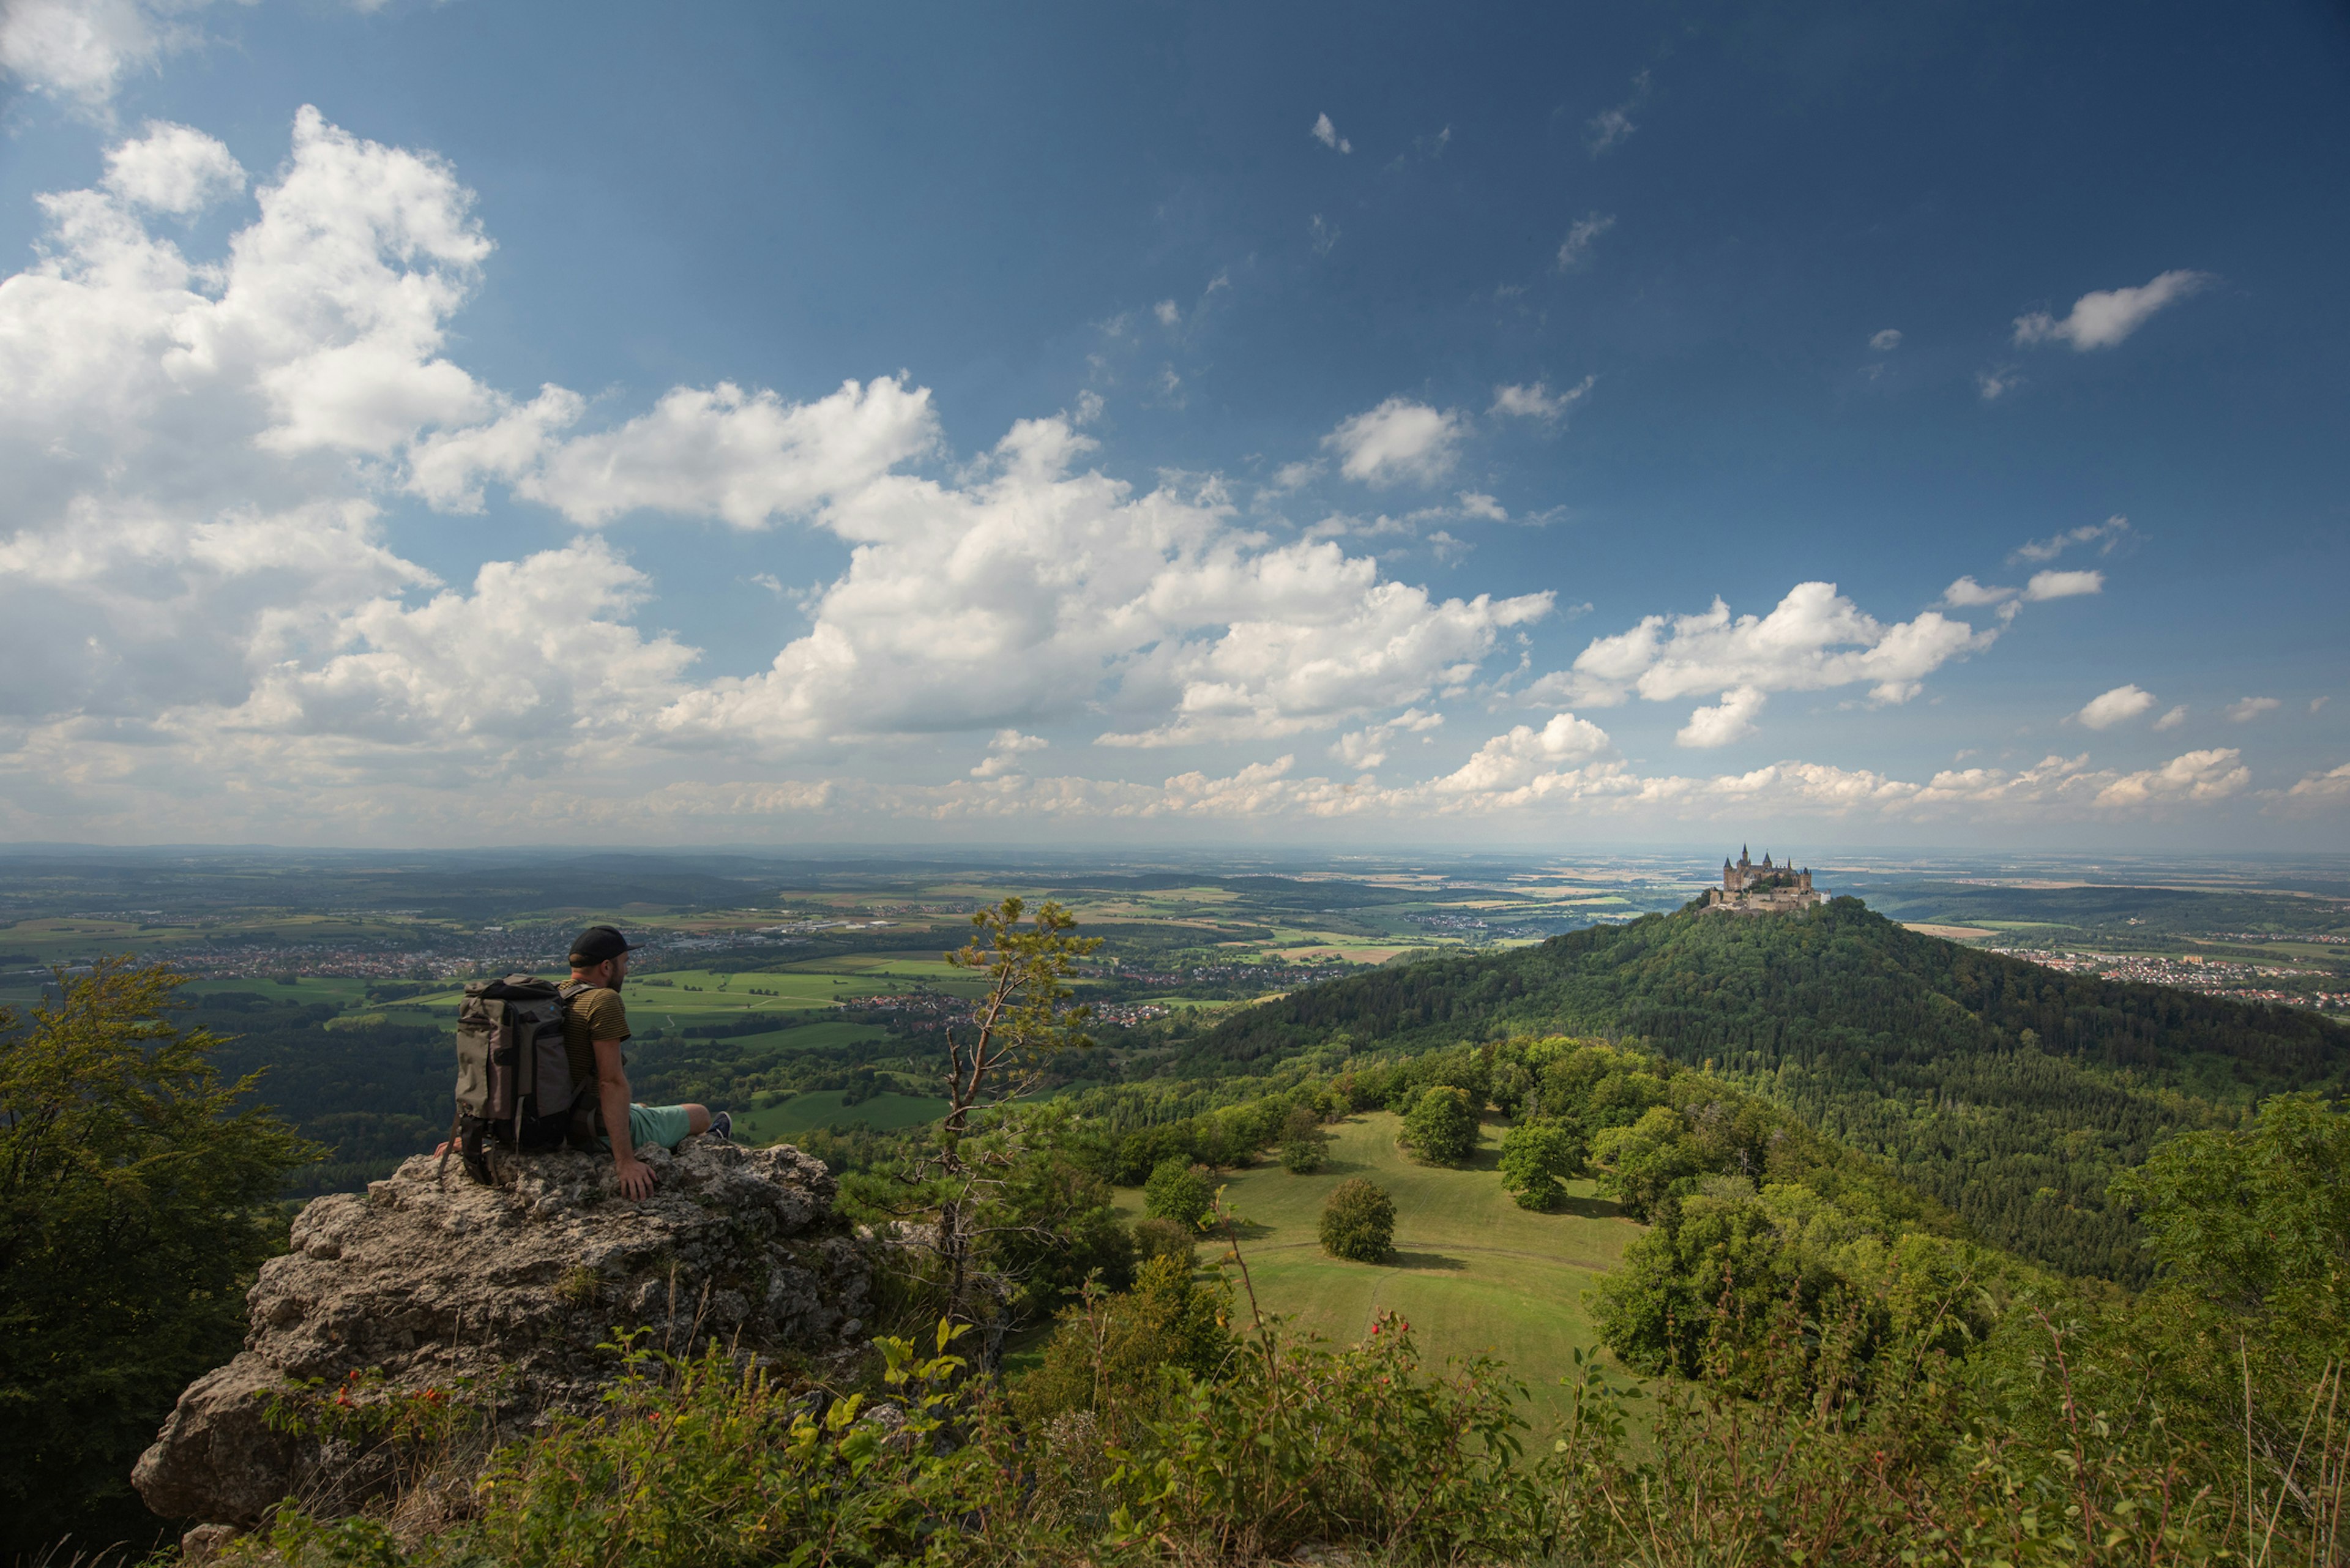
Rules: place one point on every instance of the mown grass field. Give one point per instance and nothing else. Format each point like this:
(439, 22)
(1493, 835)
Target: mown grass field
(1472, 1272)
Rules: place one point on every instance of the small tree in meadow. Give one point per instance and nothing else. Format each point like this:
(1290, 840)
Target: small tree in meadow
(1441, 1127)
(1305, 1146)
(1358, 1221)
(1538, 1156)
(1175, 1191)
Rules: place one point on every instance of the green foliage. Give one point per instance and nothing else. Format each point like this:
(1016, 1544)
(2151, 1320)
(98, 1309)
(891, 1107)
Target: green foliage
(1107, 1353)
(1639, 1165)
(1177, 1191)
(1305, 1156)
(1166, 1239)
(1441, 1126)
(2256, 1218)
(980, 1268)
(1305, 1146)
(699, 1463)
(1358, 1221)
(1047, 1227)
(1890, 1040)
(134, 1187)
(1536, 1157)
(1930, 1418)
(1306, 1443)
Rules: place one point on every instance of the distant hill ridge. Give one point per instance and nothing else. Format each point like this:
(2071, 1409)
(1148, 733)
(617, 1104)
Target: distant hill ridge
(2011, 1092)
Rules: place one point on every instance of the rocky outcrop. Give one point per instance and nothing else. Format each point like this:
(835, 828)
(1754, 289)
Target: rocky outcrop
(508, 1290)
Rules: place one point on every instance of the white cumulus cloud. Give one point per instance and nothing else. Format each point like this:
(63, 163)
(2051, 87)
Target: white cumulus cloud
(1886, 341)
(1005, 751)
(190, 556)
(2063, 585)
(2117, 706)
(1509, 763)
(2243, 710)
(2104, 317)
(1328, 135)
(1969, 594)
(199, 580)
(2330, 788)
(1368, 748)
(80, 50)
(1729, 721)
(172, 169)
(747, 457)
(1814, 639)
(1400, 439)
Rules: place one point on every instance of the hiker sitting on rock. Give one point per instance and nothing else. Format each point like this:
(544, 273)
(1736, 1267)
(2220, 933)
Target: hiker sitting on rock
(595, 1025)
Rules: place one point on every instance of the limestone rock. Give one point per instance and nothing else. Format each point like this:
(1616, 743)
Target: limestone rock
(507, 1290)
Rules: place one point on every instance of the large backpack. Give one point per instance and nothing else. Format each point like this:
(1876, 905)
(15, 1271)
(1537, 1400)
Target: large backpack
(514, 1075)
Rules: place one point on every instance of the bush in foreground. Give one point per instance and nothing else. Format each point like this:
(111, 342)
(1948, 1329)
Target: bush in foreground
(1164, 1238)
(1289, 1443)
(1106, 1352)
(1358, 1222)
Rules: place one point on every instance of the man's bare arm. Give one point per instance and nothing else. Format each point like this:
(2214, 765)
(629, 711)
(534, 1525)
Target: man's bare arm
(612, 1094)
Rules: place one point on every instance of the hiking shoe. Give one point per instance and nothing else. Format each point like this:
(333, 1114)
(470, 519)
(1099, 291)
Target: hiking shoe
(722, 1126)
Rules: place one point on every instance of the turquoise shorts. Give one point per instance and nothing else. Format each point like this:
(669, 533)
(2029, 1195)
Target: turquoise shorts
(665, 1125)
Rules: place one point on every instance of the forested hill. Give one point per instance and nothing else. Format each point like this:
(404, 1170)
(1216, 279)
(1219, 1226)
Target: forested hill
(2011, 1092)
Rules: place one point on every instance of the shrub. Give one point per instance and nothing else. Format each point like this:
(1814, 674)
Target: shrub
(1303, 1443)
(1441, 1128)
(1165, 1239)
(1105, 1354)
(1535, 1157)
(1177, 1191)
(1305, 1156)
(702, 1464)
(1358, 1221)
(1048, 1226)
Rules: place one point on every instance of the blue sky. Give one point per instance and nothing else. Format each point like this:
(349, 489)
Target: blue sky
(775, 424)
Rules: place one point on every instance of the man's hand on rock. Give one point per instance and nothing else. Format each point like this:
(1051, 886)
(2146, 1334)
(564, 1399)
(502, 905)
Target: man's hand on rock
(636, 1177)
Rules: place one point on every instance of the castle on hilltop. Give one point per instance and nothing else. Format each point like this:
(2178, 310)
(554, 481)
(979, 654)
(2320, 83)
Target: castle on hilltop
(1747, 888)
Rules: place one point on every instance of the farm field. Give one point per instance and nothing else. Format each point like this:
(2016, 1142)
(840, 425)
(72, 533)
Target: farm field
(1472, 1272)
(883, 1113)
(699, 996)
(835, 1034)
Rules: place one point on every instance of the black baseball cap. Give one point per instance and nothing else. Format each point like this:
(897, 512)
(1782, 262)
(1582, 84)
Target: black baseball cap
(596, 943)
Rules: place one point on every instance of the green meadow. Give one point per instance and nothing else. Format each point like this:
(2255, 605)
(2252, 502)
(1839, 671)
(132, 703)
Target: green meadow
(1471, 1270)
(822, 1108)
(683, 996)
(833, 1035)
